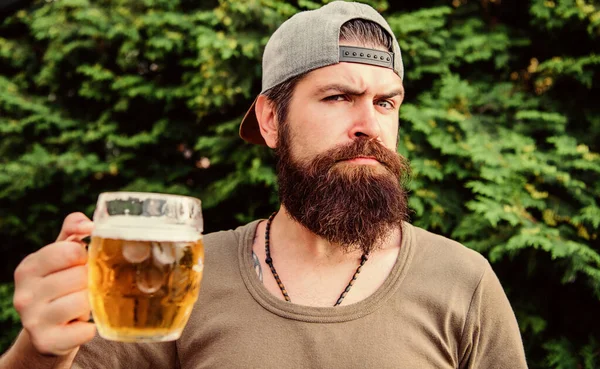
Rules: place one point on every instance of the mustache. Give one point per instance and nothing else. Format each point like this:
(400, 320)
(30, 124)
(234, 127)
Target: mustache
(362, 147)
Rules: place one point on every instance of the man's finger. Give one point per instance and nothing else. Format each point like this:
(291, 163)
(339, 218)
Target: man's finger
(62, 283)
(50, 259)
(75, 334)
(67, 308)
(75, 224)
(61, 340)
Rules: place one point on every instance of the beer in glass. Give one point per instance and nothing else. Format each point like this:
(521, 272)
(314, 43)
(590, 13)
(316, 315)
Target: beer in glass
(145, 265)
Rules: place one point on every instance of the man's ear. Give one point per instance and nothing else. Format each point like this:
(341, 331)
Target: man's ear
(267, 120)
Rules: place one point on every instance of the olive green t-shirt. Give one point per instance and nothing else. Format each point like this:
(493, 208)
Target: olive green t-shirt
(441, 306)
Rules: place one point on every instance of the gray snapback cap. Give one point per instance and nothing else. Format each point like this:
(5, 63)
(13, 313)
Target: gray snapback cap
(310, 40)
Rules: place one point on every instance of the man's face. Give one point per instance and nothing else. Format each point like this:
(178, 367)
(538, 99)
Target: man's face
(339, 174)
(336, 104)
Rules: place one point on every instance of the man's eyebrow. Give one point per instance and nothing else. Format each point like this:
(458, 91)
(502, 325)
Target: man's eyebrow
(354, 92)
(394, 93)
(339, 88)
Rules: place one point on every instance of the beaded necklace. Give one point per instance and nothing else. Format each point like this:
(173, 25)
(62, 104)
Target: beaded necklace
(269, 262)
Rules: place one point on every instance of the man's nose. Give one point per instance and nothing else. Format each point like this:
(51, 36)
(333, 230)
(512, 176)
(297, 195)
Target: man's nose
(365, 122)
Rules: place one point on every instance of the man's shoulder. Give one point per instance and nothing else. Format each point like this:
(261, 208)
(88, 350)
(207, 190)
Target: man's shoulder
(215, 239)
(441, 252)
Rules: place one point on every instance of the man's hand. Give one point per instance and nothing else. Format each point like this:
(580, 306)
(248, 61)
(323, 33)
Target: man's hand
(51, 293)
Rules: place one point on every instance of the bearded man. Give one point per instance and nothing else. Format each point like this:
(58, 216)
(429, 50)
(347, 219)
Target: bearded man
(336, 278)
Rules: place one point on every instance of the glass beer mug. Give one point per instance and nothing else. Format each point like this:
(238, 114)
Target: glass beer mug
(145, 265)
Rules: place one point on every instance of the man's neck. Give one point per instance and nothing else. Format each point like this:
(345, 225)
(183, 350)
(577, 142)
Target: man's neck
(315, 271)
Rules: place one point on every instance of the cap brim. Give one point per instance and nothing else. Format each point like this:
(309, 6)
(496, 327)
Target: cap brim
(249, 129)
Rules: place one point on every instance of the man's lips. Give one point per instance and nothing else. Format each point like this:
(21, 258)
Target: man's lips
(362, 160)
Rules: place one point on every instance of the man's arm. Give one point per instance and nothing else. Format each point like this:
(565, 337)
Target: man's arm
(52, 300)
(491, 336)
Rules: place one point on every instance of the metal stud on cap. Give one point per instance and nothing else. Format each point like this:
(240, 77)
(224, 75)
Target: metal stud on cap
(379, 58)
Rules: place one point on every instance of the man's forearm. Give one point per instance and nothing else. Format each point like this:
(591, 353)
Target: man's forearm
(22, 355)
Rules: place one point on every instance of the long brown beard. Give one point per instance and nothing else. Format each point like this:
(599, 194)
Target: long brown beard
(354, 206)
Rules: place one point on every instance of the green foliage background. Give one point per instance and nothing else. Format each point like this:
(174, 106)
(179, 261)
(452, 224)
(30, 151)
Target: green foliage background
(501, 123)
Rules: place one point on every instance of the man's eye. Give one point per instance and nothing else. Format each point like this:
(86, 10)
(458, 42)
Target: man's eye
(385, 104)
(335, 98)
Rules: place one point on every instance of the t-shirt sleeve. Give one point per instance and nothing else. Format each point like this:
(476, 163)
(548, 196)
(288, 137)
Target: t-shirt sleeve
(491, 337)
(101, 354)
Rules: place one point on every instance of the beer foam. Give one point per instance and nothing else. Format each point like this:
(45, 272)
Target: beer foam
(133, 228)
